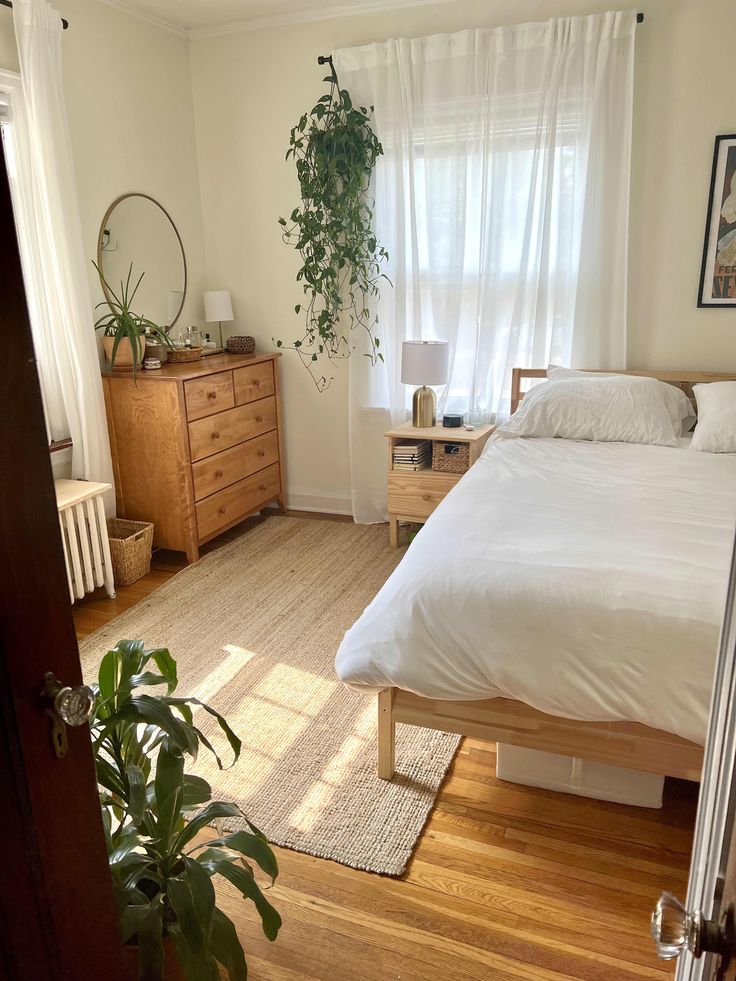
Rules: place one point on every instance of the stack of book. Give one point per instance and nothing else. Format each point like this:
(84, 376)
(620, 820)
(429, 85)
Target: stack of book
(413, 455)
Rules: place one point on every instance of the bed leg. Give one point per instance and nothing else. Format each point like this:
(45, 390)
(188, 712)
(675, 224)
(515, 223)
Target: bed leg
(386, 734)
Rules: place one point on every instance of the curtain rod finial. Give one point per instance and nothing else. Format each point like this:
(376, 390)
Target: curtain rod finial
(640, 18)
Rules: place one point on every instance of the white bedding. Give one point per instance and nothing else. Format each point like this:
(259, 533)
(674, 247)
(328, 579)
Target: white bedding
(586, 579)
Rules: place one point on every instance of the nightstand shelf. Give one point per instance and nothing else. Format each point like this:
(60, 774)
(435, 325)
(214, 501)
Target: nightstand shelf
(413, 495)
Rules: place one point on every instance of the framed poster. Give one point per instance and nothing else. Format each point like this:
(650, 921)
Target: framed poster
(718, 271)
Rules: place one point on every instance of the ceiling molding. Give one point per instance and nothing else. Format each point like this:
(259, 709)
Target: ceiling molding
(302, 17)
(133, 11)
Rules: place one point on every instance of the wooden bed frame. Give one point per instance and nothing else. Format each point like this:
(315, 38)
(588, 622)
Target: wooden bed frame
(505, 720)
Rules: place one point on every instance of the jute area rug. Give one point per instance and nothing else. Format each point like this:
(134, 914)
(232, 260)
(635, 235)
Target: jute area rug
(254, 628)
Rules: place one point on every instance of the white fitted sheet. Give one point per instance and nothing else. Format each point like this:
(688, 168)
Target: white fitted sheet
(585, 579)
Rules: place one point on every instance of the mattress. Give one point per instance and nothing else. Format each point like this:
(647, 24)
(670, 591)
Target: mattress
(585, 579)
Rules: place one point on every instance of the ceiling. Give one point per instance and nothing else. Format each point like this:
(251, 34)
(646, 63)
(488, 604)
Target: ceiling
(199, 17)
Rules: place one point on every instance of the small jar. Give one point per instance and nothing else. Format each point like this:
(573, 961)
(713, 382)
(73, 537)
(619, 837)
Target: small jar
(150, 363)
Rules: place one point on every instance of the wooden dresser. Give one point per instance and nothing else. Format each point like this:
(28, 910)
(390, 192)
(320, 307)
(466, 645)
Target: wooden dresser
(196, 447)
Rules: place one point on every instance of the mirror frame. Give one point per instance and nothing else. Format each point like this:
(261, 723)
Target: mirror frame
(101, 234)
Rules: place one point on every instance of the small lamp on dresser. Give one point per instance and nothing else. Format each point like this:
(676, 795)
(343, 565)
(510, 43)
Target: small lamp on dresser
(424, 363)
(218, 307)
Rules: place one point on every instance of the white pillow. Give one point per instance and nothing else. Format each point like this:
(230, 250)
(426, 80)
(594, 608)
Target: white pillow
(716, 428)
(678, 404)
(613, 409)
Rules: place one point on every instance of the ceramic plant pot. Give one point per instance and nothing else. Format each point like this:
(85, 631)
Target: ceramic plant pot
(124, 359)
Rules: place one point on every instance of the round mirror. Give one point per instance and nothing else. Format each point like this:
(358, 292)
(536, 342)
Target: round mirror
(138, 237)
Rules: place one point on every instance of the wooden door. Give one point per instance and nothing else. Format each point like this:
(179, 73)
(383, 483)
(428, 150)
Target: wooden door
(701, 932)
(57, 917)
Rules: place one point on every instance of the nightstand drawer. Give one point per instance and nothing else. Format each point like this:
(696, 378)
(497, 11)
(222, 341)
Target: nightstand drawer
(254, 382)
(205, 396)
(230, 505)
(217, 433)
(222, 469)
(416, 495)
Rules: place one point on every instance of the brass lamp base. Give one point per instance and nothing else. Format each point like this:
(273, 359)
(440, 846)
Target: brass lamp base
(424, 408)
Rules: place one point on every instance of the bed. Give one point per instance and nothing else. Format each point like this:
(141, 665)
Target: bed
(566, 597)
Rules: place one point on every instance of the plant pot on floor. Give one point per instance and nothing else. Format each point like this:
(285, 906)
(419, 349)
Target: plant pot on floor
(124, 359)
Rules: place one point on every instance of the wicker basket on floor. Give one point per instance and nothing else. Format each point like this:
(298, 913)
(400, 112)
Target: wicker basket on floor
(130, 549)
(450, 457)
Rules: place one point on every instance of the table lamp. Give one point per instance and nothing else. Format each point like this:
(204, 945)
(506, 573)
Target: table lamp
(218, 307)
(424, 363)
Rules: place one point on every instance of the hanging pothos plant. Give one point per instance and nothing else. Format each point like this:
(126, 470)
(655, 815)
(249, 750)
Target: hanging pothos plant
(335, 150)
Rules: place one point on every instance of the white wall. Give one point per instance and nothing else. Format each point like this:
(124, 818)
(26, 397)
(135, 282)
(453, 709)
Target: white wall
(129, 102)
(129, 92)
(250, 88)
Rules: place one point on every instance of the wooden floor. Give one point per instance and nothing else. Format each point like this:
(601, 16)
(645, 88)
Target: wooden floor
(506, 883)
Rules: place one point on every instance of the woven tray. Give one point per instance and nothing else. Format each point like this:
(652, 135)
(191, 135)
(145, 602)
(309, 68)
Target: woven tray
(183, 355)
(450, 457)
(130, 549)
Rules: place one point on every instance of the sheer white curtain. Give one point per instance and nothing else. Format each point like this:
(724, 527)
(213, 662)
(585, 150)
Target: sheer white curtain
(49, 231)
(503, 202)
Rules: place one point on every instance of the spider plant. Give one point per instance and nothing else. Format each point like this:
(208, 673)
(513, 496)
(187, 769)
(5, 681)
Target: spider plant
(162, 867)
(120, 321)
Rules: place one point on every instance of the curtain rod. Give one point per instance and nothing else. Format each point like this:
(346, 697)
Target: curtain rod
(9, 3)
(327, 59)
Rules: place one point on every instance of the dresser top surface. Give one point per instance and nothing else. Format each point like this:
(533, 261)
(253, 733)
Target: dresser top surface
(195, 369)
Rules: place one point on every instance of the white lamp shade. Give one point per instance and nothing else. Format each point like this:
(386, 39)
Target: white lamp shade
(424, 362)
(217, 306)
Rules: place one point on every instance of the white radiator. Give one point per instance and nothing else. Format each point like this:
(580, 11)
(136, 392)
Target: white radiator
(84, 536)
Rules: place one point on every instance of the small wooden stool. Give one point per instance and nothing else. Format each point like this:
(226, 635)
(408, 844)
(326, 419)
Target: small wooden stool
(84, 536)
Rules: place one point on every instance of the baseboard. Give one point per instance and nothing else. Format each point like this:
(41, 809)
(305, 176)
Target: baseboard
(314, 499)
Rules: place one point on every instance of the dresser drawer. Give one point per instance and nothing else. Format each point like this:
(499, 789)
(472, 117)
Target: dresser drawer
(253, 382)
(205, 396)
(223, 469)
(226, 506)
(416, 495)
(216, 433)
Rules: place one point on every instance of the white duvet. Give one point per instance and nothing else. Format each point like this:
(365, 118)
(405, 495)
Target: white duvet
(586, 579)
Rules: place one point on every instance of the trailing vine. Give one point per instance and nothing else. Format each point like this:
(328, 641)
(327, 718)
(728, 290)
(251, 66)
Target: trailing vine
(335, 150)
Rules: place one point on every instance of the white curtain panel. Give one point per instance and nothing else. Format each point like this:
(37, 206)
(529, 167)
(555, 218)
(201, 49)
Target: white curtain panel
(503, 201)
(53, 256)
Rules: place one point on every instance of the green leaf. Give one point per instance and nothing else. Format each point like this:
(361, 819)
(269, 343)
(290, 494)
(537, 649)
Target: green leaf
(245, 883)
(150, 943)
(168, 792)
(226, 947)
(136, 793)
(196, 791)
(195, 968)
(192, 897)
(252, 846)
(235, 743)
(217, 809)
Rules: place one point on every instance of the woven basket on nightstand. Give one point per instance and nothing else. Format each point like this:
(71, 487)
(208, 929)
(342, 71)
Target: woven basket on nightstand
(450, 457)
(130, 549)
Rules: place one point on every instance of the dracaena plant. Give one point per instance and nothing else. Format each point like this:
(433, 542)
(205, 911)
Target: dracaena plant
(120, 321)
(335, 150)
(155, 815)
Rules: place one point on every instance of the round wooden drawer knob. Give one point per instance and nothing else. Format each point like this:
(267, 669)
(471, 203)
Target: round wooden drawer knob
(263, 488)
(215, 436)
(211, 395)
(218, 473)
(257, 382)
(222, 510)
(259, 418)
(426, 497)
(261, 453)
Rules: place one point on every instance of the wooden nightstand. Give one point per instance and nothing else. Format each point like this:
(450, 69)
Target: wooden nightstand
(413, 496)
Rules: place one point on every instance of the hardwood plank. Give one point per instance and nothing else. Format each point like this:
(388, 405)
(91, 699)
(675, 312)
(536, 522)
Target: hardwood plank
(508, 883)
